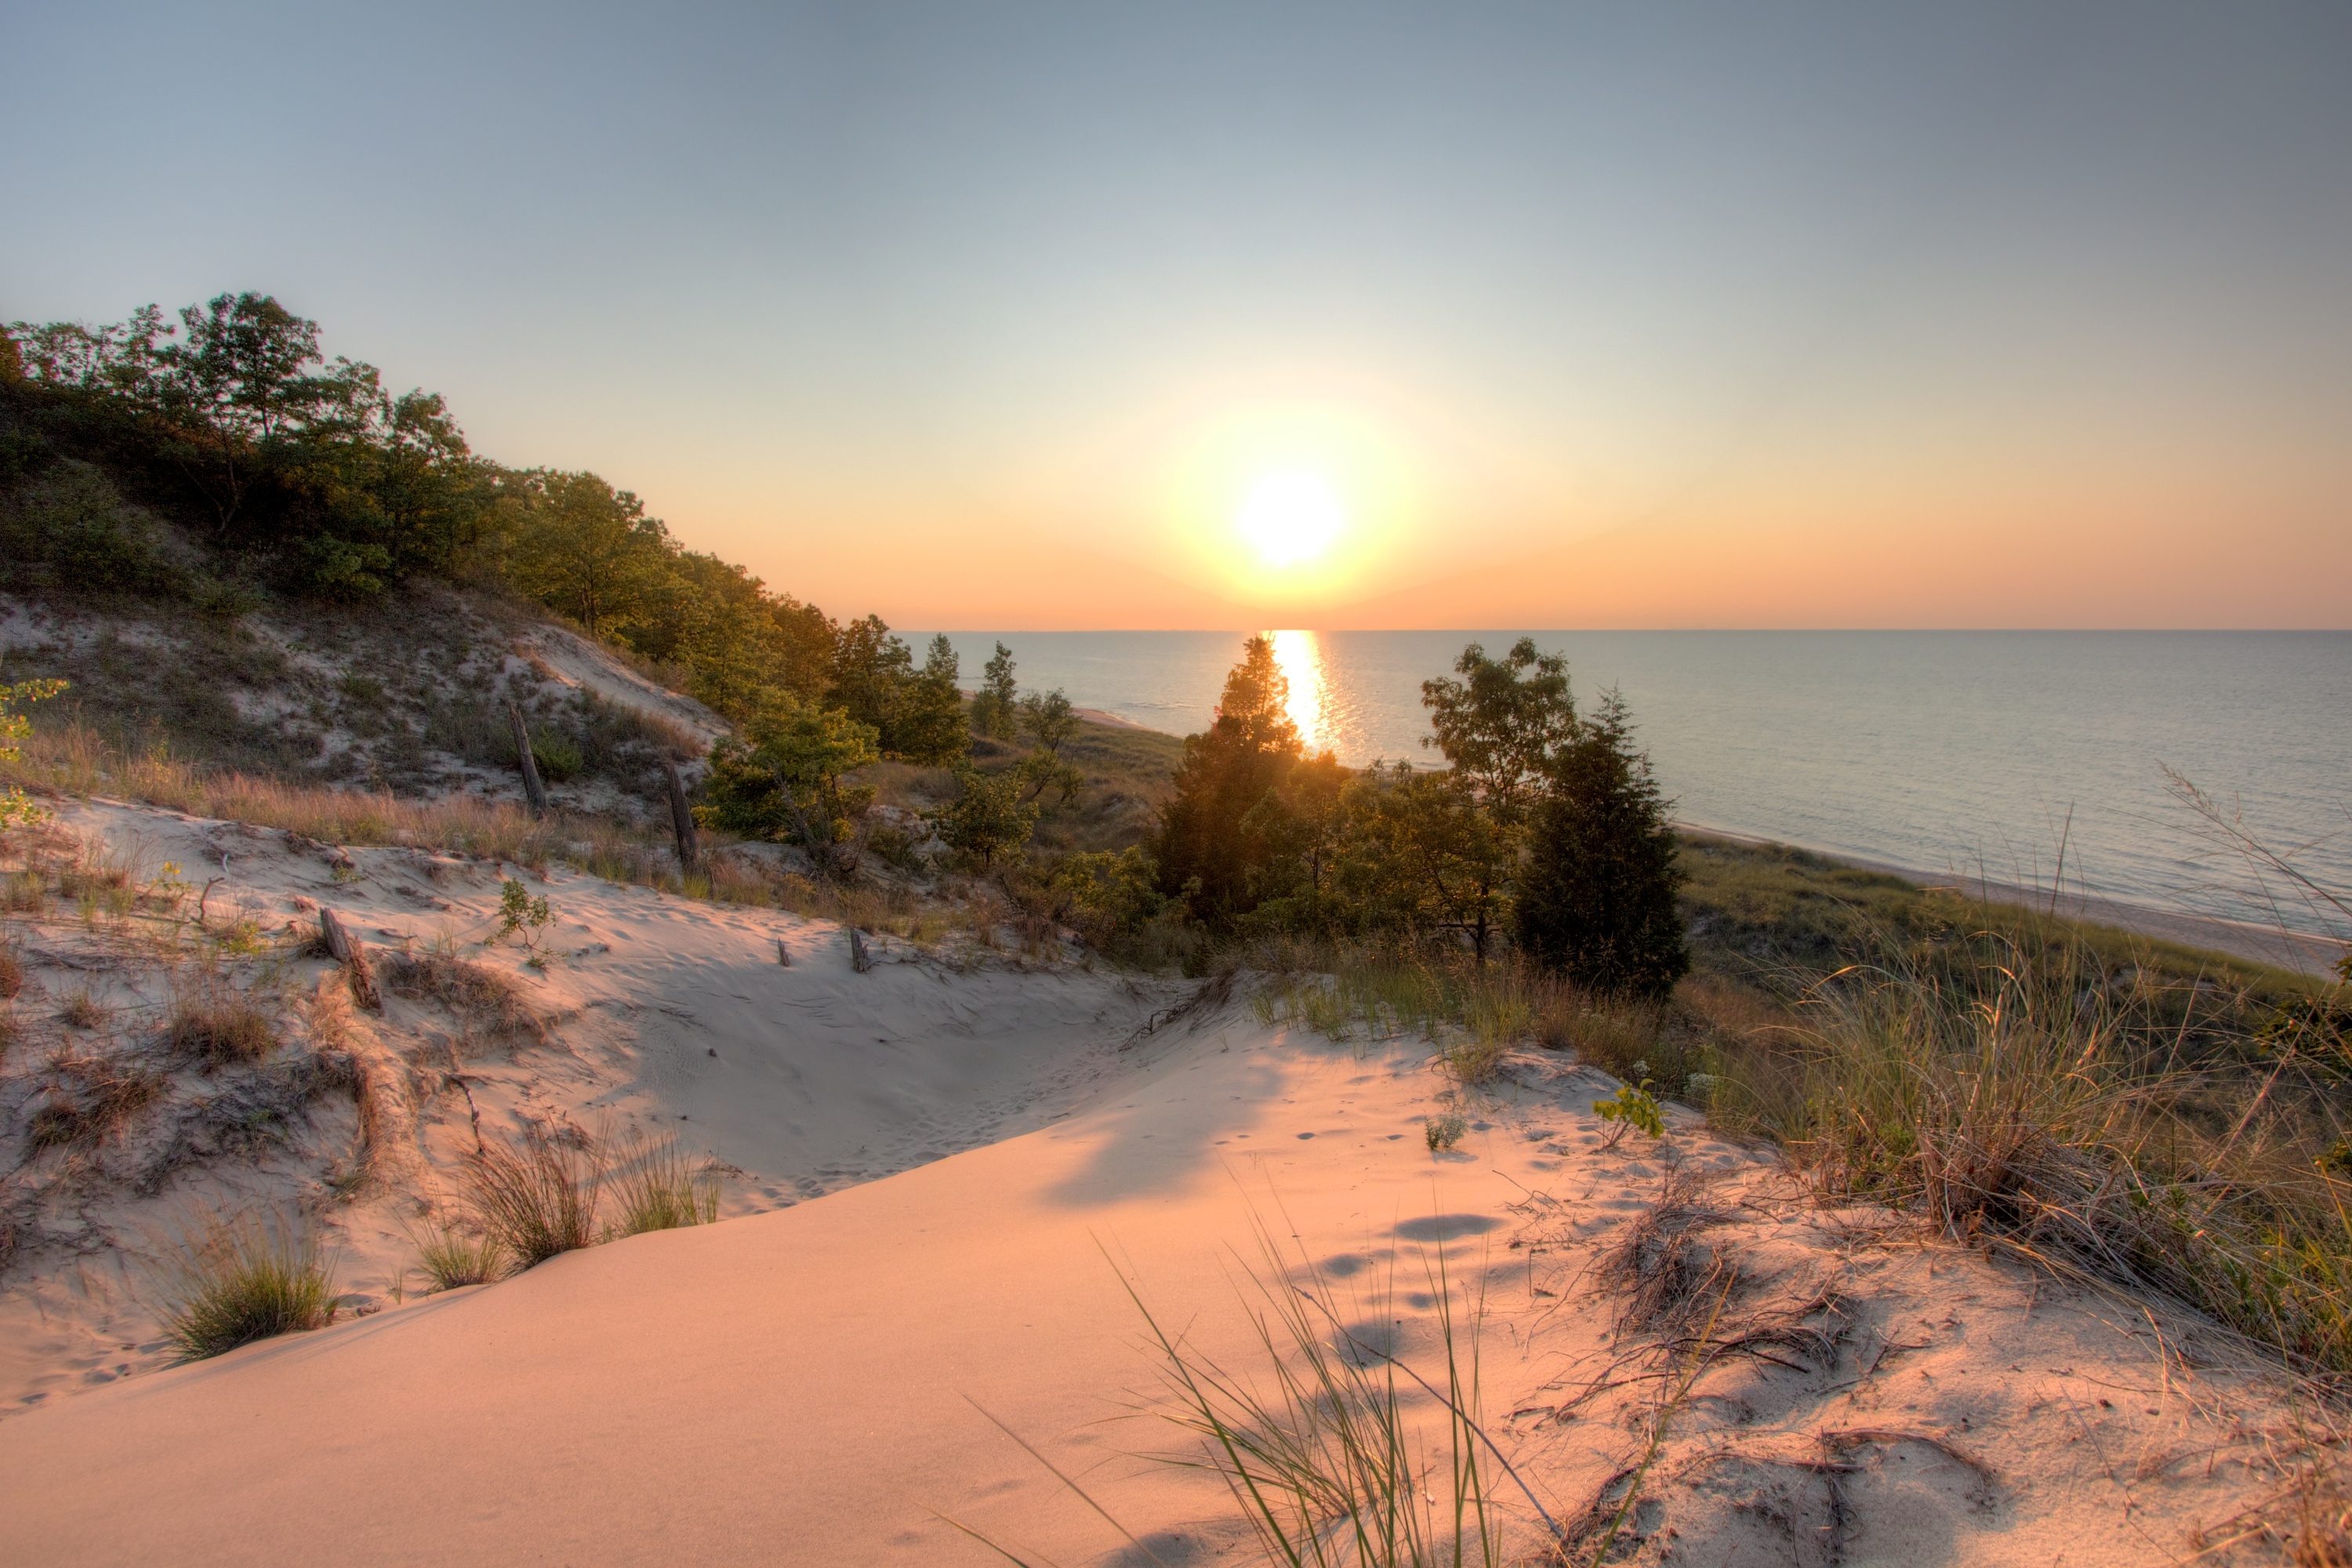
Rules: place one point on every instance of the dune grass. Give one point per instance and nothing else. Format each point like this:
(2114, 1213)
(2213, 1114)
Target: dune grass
(452, 1258)
(537, 1199)
(657, 1187)
(219, 1031)
(230, 1281)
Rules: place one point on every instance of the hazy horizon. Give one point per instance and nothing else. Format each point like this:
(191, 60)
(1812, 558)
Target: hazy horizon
(1689, 317)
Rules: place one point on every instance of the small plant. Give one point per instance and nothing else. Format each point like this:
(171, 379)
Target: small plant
(109, 1098)
(451, 1260)
(1445, 1132)
(220, 1034)
(537, 1201)
(170, 889)
(660, 1190)
(1631, 1105)
(521, 915)
(16, 809)
(558, 759)
(240, 1280)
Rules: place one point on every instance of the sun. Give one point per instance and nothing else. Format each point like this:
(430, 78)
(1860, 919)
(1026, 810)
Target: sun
(1290, 515)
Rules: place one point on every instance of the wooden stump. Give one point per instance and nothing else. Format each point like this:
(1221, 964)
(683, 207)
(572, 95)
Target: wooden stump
(354, 958)
(859, 958)
(533, 791)
(681, 821)
(784, 953)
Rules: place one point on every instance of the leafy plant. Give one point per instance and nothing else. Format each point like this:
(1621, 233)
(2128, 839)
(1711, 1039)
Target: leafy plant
(16, 810)
(1631, 1107)
(521, 915)
(1444, 1132)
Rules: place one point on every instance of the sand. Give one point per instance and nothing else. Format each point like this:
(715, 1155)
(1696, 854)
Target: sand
(945, 1169)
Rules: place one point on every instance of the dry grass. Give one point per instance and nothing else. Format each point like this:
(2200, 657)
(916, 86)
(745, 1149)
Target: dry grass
(83, 1010)
(220, 1032)
(237, 1280)
(95, 1097)
(537, 1199)
(11, 974)
(476, 992)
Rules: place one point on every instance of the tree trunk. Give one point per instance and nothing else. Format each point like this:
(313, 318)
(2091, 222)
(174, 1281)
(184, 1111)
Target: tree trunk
(533, 791)
(354, 958)
(859, 959)
(681, 820)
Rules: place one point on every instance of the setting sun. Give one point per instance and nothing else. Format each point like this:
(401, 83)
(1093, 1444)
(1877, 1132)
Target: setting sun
(1290, 517)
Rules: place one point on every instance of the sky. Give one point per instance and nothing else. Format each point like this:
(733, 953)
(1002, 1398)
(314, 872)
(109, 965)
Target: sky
(1101, 315)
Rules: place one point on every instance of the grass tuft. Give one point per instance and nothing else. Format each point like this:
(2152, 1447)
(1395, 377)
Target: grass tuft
(536, 1200)
(451, 1259)
(220, 1033)
(245, 1279)
(659, 1188)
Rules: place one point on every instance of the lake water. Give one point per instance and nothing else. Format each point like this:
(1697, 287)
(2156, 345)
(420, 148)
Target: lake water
(1941, 751)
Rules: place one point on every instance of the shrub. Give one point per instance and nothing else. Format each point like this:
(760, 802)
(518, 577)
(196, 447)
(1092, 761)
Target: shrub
(559, 760)
(1445, 1131)
(220, 1034)
(536, 1201)
(12, 975)
(82, 1011)
(108, 1098)
(245, 1279)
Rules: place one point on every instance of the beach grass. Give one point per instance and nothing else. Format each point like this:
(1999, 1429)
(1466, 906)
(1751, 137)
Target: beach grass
(451, 1259)
(657, 1187)
(231, 1280)
(536, 1200)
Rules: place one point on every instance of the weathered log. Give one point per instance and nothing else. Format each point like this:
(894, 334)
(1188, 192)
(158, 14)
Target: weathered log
(533, 791)
(354, 960)
(859, 958)
(784, 953)
(681, 821)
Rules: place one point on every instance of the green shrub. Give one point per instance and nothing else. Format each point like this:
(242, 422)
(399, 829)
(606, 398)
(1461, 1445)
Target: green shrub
(559, 759)
(245, 1279)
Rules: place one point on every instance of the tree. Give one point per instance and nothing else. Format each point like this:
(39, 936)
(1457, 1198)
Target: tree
(1596, 897)
(993, 706)
(16, 810)
(870, 669)
(786, 779)
(1503, 724)
(1050, 722)
(1422, 852)
(1292, 837)
(1203, 856)
(987, 819)
(926, 725)
(590, 551)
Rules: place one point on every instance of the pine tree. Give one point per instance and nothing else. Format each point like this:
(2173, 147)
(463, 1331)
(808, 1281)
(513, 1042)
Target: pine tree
(1204, 855)
(995, 705)
(1596, 897)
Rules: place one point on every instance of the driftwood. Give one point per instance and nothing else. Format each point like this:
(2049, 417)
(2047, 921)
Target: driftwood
(533, 791)
(681, 821)
(784, 953)
(354, 960)
(860, 958)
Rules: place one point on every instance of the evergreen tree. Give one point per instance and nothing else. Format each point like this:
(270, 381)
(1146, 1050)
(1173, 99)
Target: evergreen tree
(1596, 896)
(993, 705)
(1204, 857)
(927, 726)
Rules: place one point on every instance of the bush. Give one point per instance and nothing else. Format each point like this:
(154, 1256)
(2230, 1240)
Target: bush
(243, 1280)
(559, 760)
(538, 1201)
(986, 821)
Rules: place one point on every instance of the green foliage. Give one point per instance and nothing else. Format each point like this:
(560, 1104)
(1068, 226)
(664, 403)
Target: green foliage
(72, 529)
(239, 1280)
(785, 781)
(1596, 898)
(521, 915)
(1109, 894)
(927, 720)
(994, 713)
(987, 821)
(558, 759)
(1503, 725)
(589, 551)
(1419, 853)
(16, 810)
(1632, 1106)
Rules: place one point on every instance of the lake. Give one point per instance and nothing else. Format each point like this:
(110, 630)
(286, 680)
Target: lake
(1978, 753)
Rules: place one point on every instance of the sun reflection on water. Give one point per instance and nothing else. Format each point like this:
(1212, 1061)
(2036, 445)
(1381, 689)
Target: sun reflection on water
(1300, 659)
